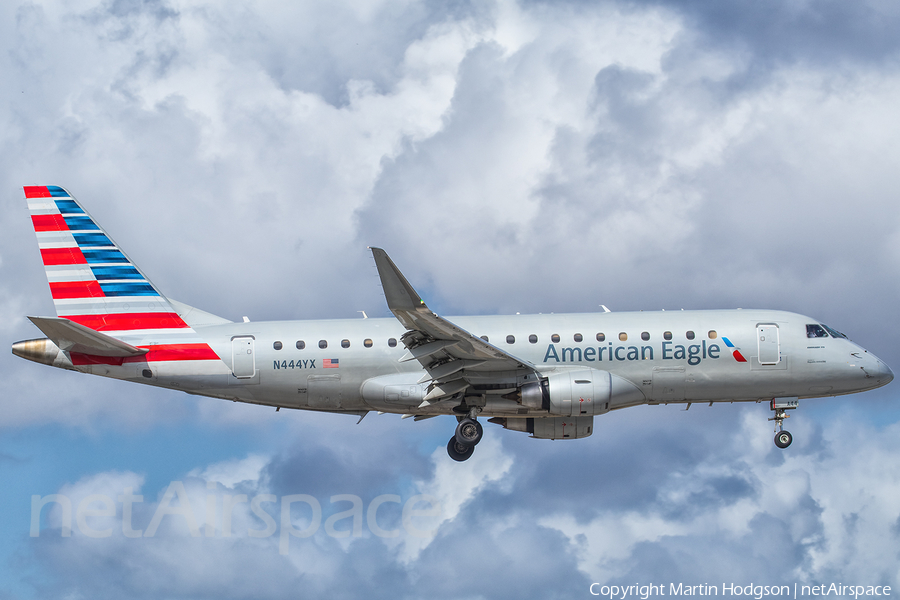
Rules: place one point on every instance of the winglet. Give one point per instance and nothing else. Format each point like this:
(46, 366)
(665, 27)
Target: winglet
(398, 291)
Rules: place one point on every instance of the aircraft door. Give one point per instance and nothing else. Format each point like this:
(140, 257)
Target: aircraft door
(243, 358)
(668, 384)
(324, 391)
(769, 344)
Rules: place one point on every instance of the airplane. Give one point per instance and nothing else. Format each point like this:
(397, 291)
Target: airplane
(547, 375)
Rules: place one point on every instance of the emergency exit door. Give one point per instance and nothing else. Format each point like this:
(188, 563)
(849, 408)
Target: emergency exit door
(769, 344)
(243, 360)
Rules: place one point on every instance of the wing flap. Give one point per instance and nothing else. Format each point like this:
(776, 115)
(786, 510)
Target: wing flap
(73, 337)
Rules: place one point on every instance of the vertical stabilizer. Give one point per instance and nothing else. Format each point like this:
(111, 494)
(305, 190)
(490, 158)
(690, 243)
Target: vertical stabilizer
(95, 284)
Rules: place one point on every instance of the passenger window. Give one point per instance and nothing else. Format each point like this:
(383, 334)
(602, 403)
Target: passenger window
(510, 339)
(645, 336)
(323, 344)
(667, 335)
(623, 337)
(578, 337)
(301, 344)
(532, 338)
(367, 343)
(689, 335)
(485, 338)
(392, 342)
(601, 337)
(815, 331)
(277, 345)
(712, 334)
(345, 343)
(555, 338)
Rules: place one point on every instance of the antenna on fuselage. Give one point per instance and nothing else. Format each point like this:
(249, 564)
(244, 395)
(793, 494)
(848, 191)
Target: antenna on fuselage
(603, 306)
(365, 316)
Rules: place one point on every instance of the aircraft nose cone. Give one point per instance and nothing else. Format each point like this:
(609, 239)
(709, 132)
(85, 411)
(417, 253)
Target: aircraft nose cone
(886, 375)
(881, 372)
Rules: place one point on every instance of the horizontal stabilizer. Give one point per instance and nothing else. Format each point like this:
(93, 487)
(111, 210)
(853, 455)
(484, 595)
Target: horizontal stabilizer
(72, 337)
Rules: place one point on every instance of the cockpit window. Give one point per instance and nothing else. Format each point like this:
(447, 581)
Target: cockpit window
(833, 332)
(815, 331)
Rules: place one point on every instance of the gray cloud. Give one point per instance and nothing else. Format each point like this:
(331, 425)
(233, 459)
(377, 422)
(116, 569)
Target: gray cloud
(725, 514)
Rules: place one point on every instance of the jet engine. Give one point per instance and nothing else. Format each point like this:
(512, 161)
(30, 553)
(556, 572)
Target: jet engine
(580, 392)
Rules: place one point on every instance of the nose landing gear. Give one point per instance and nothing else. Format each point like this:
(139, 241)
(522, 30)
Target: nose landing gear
(468, 433)
(783, 438)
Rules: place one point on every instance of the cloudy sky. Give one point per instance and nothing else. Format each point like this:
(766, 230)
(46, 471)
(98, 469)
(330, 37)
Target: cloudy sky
(511, 157)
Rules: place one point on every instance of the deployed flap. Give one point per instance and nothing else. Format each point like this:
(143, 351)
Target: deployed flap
(439, 341)
(72, 337)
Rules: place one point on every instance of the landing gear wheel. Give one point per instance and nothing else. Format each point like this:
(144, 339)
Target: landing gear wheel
(459, 452)
(783, 439)
(468, 432)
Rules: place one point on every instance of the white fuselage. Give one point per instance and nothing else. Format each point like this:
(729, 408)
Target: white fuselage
(679, 369)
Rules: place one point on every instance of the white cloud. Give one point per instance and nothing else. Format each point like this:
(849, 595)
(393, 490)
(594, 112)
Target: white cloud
(835, 504)
(511, 156)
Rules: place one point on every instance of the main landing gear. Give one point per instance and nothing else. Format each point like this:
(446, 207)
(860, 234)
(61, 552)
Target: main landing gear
(783, 438)
(468, 434)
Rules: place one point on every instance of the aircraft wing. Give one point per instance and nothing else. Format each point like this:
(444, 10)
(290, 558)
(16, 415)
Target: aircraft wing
(73, 337)
(454, 358)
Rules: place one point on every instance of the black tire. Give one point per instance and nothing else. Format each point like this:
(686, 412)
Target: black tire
(459, 452)
(468, 432)
(783, 439)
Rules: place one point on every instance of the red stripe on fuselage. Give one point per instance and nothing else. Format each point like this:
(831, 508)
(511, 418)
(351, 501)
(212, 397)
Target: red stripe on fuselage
(89, 359)
(76, 289)
(162, 352)
(129, 321)
(37, 191)
(176, 352)
(49, 223)
(62, 256)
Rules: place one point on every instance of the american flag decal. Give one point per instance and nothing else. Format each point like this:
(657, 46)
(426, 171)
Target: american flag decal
(330, 363)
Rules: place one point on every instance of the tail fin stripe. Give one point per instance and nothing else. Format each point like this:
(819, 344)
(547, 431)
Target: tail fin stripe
(95, 256)
(116, 272)
(76, 289)
(50, 222)
(66, 273)
(128, 289)
(110, 305)
(37, 191)
(57, 191)
(93, 240)
(55, 239)
(83, 222)
(62, 256)
(45, 191)
(68, 207)
(129, 321)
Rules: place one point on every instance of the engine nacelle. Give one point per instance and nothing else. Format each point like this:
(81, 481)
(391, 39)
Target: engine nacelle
(398, 389)
(580, 392)
(550, 428)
